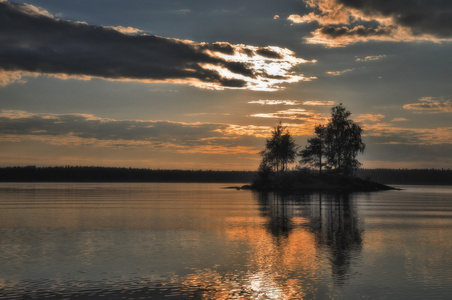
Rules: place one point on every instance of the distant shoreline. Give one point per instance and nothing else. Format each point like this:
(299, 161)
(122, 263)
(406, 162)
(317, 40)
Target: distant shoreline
(115, 174)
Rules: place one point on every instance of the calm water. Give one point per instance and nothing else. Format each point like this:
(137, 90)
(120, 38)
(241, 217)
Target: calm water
(200, 241)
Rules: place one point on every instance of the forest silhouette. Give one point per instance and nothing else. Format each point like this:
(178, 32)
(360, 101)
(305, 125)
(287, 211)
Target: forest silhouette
(111, 174)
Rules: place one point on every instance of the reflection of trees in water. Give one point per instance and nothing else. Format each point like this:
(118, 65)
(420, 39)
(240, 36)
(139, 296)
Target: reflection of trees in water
(335, 224)
(278, 212)
(331, 218)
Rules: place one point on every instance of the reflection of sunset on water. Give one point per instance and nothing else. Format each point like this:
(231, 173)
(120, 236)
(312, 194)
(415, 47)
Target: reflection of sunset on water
(289, 237)
(201, 241)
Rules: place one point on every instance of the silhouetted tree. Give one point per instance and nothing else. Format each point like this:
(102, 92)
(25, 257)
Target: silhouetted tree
(280, 150)
(339, 142)
(314, 151)
(343, 141)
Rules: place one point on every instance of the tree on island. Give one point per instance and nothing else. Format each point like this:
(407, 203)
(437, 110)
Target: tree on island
(339, 142)
(312, 154)
(333, 149)
(280, 150)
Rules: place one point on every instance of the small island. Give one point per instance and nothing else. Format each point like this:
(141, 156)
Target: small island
(327, 163)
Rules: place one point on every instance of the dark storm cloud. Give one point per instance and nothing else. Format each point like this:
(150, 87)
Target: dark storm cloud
(34, 41)
(422, 16)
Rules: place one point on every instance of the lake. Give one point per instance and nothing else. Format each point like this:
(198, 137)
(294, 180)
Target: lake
(201, 241)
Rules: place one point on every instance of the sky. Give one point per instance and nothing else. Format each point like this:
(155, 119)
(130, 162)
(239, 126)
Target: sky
(200, 84)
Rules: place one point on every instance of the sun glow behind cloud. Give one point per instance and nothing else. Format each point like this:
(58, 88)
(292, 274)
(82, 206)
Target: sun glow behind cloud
(271, 69)
(78, 50)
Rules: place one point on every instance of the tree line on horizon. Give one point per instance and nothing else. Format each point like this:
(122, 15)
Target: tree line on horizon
(408, 176)
(116, 174)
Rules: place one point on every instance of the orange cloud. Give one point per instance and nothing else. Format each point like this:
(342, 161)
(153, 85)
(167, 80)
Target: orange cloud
(290, 114)
(126, 30)
(293, 102)
(399, 120)
(409, 136)
(309, 118)
(9, 77)
(369, 118)
(217, 149)
(304, 129)
(86, 130)
(337, 73)
(347, 22)
(319, 103)
(275, 102)
(246, 130)
(430, 104)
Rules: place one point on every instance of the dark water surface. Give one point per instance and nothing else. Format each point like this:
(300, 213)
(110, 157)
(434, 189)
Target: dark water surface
(200, 241)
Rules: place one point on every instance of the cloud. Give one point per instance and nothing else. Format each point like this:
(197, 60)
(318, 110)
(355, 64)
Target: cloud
(92, 131)
(371, 57)
(338, 73)
(89, 130)
(8, 77)
(430, 104)
(369, 118)
(295, 114)
(406, 156)
(34, 42)
(293, 102)
(389, 134)
(183, 11)
(64, 135)
(319, 103)
(246, 130)
(399, 120)
(296, 129)
(289, 114)
(126, 30)
(344, 22)
(14, 122)
(275, 102)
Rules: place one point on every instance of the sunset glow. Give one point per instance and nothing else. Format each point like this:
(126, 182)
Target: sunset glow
(165, 85)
